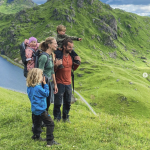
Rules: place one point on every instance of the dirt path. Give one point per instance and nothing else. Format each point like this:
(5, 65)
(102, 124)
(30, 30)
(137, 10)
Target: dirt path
(85, 102)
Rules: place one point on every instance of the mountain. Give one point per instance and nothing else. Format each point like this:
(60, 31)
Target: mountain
(115, 50)
(13, 6)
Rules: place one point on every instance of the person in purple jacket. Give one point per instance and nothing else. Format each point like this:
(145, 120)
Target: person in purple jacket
(37, 95)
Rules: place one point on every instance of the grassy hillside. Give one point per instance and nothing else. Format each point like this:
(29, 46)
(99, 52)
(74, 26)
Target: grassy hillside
(86, 132)
(115, 50)
(14, 6)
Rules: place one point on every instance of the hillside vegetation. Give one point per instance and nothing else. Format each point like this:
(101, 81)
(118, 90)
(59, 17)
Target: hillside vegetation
(115, 50)
(14, 6)
(86, 132)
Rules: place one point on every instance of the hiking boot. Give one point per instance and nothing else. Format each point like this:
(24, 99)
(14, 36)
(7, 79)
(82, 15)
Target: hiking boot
(34, 137)
(66, 120)
(58, 120)
(60, 66)
(50, 143)
(77, 62)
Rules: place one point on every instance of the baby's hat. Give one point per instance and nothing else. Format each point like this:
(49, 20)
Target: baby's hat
(32, 39)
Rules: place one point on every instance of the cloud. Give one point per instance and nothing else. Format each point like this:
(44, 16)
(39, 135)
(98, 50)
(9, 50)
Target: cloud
(109, 1)
(140, 7)
(142, 10)
(126, 2)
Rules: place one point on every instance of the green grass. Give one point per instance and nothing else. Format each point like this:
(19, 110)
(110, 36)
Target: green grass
(115, 88)
(86, 131)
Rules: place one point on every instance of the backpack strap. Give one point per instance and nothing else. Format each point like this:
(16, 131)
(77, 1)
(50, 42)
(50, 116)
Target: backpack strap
(23, 45)
(72, 72)
(48, 59)
(31, 49)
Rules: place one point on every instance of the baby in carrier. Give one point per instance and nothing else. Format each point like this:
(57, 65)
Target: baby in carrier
(61, 36)
(32, 47)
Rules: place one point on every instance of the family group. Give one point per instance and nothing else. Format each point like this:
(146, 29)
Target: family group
(48, 68)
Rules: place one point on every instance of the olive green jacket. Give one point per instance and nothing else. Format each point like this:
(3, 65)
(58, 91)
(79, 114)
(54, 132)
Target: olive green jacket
(60, 39)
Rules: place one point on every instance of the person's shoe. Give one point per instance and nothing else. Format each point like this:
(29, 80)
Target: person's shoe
(66, 120)
(58, 120)
(77, 62)
(34, 137)
(50, 143)
(60, 66)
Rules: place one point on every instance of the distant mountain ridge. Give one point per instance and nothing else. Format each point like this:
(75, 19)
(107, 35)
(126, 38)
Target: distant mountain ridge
(14, 6)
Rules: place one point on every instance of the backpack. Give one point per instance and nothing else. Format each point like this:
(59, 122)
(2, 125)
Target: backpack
(36, 56)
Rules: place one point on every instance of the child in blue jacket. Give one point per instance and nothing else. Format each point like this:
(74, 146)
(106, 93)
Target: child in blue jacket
(37, 95)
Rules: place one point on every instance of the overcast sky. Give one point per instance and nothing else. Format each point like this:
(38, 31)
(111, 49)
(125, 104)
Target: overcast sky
(140, 7)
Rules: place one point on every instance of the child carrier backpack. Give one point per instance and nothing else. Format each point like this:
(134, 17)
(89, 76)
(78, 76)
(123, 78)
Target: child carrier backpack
(36, 56)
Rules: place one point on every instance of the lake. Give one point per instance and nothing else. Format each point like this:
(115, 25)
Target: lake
(11, 76)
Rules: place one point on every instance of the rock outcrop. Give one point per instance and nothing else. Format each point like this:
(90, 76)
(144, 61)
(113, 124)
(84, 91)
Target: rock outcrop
(80, 2)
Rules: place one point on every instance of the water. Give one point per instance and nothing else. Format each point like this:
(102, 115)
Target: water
(11, 76)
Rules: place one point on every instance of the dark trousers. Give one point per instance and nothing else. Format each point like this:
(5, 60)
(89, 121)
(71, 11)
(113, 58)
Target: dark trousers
(45, 117)
(64, 93)
(73, 53)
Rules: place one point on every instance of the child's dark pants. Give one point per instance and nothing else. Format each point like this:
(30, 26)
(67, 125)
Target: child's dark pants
(60, 55)
(73, 53)
(45, 117)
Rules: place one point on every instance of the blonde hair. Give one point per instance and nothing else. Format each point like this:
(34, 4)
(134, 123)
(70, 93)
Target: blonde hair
(34, 77)
(44, 45)
(61, 28)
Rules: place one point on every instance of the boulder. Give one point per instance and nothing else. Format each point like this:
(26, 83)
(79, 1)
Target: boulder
(108, 41)
(102, 26)
(98, 38)
(93, 36)
(68, 18)
(113, 24)
(80, 75)
(90, 2)
(20, 62)
(113, 55)
(143, 57)
(16, 59)
(110, 20)
(82, 69)
(80, 3)
(48, 25)
(129, 26)
(144, 61)
(88, 72)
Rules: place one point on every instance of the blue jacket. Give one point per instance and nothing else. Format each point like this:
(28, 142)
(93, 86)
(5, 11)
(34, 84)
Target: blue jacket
(37, 96)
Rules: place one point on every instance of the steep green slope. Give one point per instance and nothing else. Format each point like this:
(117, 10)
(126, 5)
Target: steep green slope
(114, 51)
(14, 6)
(86, 132)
